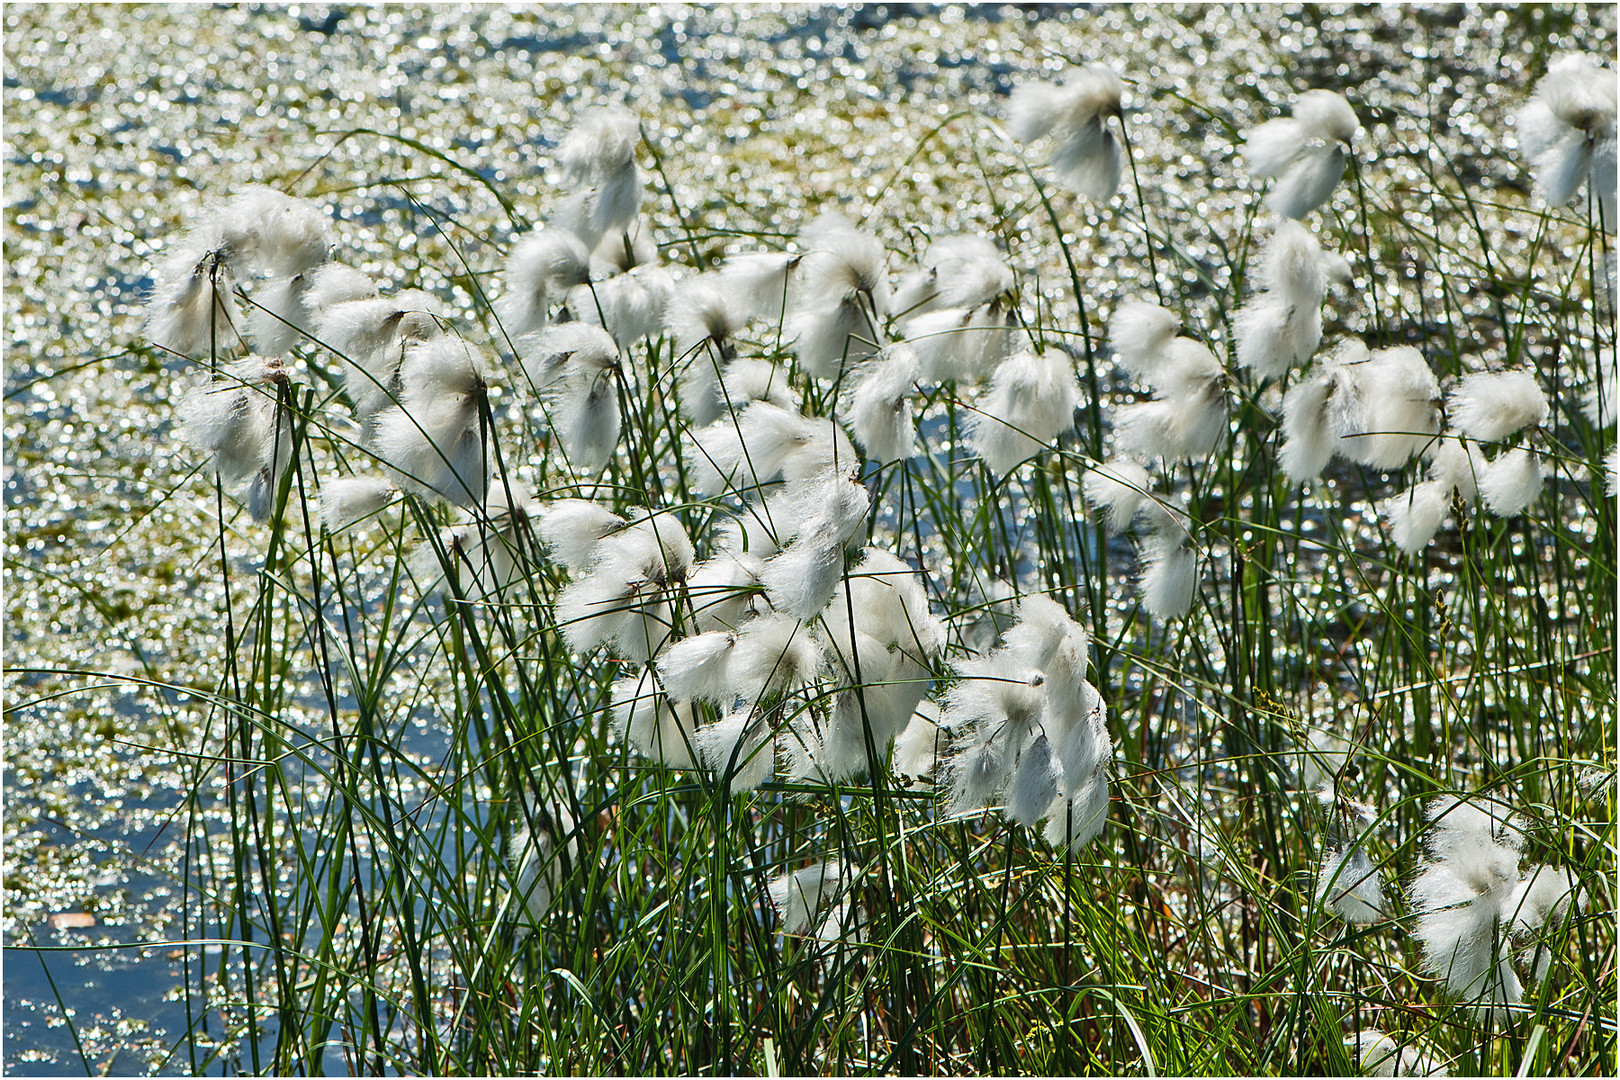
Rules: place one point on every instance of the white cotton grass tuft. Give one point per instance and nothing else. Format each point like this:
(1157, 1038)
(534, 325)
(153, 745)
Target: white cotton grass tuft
(740, 746)
(878, 404)
(1186, 418)
(537, 861)
(350, 500)
(772, 654)
(435, 441)
(960, 344)
(1030, 402)
(272, 234)
(884, 598)
(630, 305)
(749, 379)
(1087, 159)
(1309, 438)
(290, 312)
(576, 366)
(540, 271)
(1305, 154)
(372, 335)
(1490, 406)
(1169, 574)
(760, 281)
(192, 309)
(586, 416)
(1611, 471)
(1141, 333)
(1511, 482)
(1599, 402)
(762, 443)
(1080, 817)
(1350, 886)
(956, 272)
(1035, 783)
(694, 668)
(243, 421)
(646, 719)
(800, 897)
(277, 320)
(1416, 514)
(599, 154)
(922, 745)
(1117, 489)
(704, 319)
(623, 598)
(1391, 412)
(259, 232)
(1567, 130)
(1281, 326)
(1379, 409)
(725, 590)
(844, 298)
(1456, 467)
(1379, 1055)
(801, 578)
(1458, 895)
(567, 351)
(573, 528)
(1541, 902)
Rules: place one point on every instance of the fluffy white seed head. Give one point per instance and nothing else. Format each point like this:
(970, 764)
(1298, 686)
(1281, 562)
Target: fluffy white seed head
(1380, 1055)
(1416, 514)
(1511, 482)
(1456, 465)
(540, 271)
(760, 281)
(878, 404)
(192, 309)
(567, 351)
(240, 422)
(800, 896)
(956, 271)
(1117, 489)
(1567, 131)
(1350, 886)
(1087, 157)
(1309, 439)
(1080, 817)
(1169, 577)
(349, 500)
(572, 529)
(274, 234)
(1327, 116)
(1386, 406)
(959, 344)
(919, 749)
(631, 305)
(600, 154)
(1031, 401)
(1603, 396)
(1034, 783)
(644, 717)
(1489, 406)
(1141, 333)
(741, 746)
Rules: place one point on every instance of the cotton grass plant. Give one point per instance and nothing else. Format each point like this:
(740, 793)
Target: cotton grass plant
(842, 661)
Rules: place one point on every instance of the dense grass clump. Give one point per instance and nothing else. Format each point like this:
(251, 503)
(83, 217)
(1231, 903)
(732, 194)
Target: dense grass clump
(657, 641)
